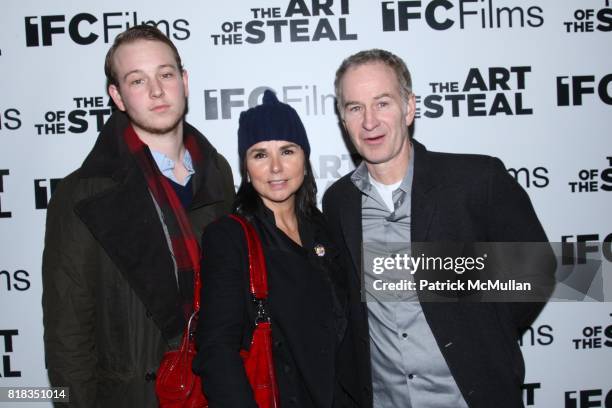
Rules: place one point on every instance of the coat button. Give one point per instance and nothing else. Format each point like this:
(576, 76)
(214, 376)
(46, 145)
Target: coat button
(148, 314)
(286, 368)
(278, 343)
(150, 377)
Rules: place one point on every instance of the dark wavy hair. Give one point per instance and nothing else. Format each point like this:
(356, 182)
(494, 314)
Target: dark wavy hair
(247, 199)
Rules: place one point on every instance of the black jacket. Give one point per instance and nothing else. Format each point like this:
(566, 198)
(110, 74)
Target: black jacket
(462, 198)
(306, 314)
(110, 298)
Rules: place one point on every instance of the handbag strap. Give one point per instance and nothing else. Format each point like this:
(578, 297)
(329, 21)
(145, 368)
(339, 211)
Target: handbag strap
(197, 285)
(257, 265)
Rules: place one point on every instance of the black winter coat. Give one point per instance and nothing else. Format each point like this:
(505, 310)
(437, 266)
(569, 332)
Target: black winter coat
(455, 198)
(110, 298)
(307, 314)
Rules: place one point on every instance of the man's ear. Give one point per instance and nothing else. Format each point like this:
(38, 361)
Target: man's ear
(410, 110)
(114, 93)
(186, 83)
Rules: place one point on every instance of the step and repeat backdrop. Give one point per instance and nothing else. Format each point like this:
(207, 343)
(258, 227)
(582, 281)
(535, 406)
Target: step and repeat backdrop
(529, 81)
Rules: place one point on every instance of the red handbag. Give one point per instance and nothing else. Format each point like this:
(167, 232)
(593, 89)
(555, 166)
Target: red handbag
(178, 387)
(258, 363)
(175, 384)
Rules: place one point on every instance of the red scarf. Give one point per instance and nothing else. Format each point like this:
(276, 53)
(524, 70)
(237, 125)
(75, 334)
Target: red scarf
(185, 246)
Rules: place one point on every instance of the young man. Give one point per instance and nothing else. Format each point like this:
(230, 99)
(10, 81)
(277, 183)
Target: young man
(122, 233)
(415, 353)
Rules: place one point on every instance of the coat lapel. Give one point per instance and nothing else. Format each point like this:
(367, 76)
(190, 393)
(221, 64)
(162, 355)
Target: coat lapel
(445, 318)
(208, 181)
(423, 200)
(126, 223)
(123, 218)
(350, 219)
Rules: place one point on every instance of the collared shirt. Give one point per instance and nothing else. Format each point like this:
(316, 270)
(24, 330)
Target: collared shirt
(385, 191)
(166, 166)
(408, 369)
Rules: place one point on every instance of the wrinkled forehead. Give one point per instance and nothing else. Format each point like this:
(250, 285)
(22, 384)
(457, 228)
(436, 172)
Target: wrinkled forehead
(369, 80)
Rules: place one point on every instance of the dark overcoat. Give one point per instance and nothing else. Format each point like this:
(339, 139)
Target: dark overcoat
(306, 312)
(110, 299)
(459, 198)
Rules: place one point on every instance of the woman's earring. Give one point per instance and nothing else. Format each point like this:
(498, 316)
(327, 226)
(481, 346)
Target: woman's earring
(248, 178)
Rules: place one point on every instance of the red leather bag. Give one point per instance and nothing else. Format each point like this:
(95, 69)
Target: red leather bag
(178, 387)
(175, 384)
(258, 362)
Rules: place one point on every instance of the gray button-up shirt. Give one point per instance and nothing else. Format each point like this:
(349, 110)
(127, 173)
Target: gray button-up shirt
(408, 369)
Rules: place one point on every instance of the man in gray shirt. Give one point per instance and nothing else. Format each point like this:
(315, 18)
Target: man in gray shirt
(401, 351)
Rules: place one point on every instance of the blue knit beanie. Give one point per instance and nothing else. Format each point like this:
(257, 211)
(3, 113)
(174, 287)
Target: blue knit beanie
(272, 120)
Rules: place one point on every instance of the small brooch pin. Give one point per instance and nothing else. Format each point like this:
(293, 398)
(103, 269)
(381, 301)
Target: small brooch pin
(319, 250)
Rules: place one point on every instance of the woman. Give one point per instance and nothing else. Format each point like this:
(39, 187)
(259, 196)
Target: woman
(278, 196)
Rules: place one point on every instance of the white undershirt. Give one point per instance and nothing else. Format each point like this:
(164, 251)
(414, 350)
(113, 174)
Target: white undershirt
(385, 191)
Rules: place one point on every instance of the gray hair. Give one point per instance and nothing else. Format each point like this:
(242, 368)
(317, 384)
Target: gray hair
(368, 57)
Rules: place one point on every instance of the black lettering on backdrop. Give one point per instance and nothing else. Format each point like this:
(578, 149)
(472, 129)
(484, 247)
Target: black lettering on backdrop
(301, 21)
(7, 370)
(583, 20)
(593, 180)
(43, 189)
(484, 92)
(3, 214)
(529, 391)
(87, 28)
(223, 103)
(584, 245)
(541, 335)
(580, 85)
(443, 14)
(9, 119)
(58, 122)
(17, 280)
(588, 399)
(530, 178)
